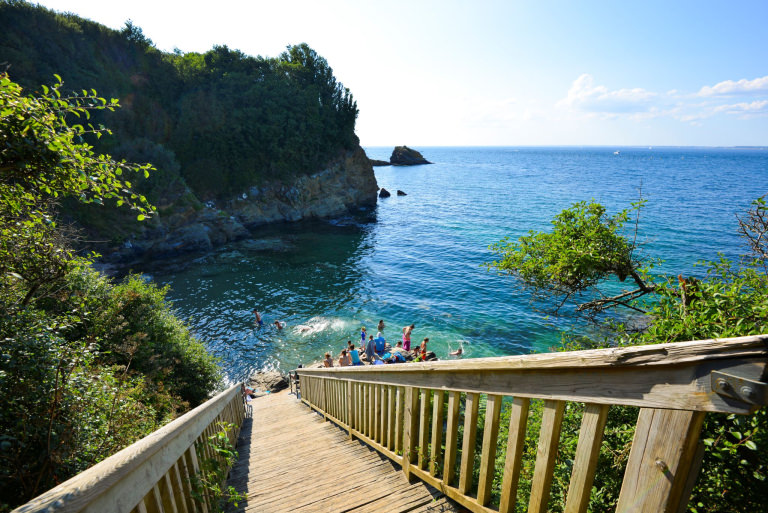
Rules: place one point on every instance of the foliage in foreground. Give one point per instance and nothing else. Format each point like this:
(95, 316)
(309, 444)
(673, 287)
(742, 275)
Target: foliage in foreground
(87, 366)
(587, 256)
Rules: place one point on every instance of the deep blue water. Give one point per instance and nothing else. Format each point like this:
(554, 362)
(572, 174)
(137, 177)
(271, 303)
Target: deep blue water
(417, 258)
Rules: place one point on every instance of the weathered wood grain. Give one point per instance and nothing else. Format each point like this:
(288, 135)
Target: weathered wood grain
(585, 461)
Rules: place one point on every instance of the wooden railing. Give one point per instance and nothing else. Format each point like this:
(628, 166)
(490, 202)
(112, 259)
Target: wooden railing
(156, 474)
(401, 411)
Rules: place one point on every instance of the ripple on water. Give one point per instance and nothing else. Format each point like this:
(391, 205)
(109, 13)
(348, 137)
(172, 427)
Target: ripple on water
(417, 258)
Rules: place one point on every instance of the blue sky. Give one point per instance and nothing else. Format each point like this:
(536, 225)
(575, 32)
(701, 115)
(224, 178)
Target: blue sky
(504, 73)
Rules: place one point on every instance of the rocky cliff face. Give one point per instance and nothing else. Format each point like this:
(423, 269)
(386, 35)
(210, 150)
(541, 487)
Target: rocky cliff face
(345, 184)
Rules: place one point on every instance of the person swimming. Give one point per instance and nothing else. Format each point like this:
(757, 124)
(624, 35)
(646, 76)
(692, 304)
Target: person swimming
(258, 317)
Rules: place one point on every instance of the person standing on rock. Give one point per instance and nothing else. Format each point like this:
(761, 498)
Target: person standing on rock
(362, 336)
(259, 322)
(407, 330)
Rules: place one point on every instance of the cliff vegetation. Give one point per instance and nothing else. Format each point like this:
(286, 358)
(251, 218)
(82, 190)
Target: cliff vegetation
(214, 124)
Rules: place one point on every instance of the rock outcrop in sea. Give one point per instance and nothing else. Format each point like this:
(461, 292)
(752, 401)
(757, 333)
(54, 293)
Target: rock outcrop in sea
(405, 156)
(345, 184)
(383, 193)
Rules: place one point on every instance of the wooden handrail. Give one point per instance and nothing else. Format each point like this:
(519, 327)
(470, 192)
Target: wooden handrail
(400, 410)
(675, 375)
(153, 474)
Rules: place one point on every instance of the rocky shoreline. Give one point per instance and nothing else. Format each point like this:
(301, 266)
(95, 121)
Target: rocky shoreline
(344, 185)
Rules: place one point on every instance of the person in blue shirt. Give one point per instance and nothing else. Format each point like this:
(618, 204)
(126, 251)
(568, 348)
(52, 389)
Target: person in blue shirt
(380, 343)
(354, 355)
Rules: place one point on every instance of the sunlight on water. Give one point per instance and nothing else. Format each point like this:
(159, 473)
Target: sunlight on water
(417, 258)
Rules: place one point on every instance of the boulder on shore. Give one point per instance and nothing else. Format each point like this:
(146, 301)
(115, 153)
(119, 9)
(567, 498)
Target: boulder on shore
(383, 193)
(405, 156)
(269, 381)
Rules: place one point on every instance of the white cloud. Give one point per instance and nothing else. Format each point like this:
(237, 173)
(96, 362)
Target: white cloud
(756, 108)
(757, 86)
(585, 96)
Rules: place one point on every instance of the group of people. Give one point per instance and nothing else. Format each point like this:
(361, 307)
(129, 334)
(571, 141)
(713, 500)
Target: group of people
(260, 322)
(376, 350)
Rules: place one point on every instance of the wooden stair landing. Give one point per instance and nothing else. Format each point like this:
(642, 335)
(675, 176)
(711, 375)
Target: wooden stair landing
(292, 460)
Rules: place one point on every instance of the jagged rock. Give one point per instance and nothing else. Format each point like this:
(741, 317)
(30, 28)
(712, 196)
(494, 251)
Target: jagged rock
(401, 193)
(383, 193)
(346, 183)
(268, 381)
(405, 156)
(375, 162)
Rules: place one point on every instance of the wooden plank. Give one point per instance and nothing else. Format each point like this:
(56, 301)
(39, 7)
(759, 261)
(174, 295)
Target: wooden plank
(184, 488)
(384, 438)
(451, 437)
(436, 454)
(663, 451)
(518, 419)
(585, 461)
(400, 406)
(166, 492)
(372, 410)
(410, 434)
(392, 410)
(424, 426)
(178, 491)
(468, 443)
(350, 400)
(377, 413)
(488, 456)
(551, 422)
(451, 492)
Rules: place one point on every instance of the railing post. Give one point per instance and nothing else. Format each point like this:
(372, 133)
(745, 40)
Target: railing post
(662, 452)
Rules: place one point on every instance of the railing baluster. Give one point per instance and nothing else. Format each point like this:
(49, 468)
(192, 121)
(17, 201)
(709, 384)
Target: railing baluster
(488, 456)
(585, 461)
(391, 417)
(438, 408)
(411, 421)
(451, 437)
(177, 490)
(166, 491)
(156, 501)
(515, 444)
(551, 422)
(384, 415)
(424, 426)
(468, 442)
(377, 413)
(399, 420)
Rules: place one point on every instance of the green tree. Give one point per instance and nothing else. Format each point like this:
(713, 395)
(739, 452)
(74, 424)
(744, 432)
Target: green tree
(87, 367)
(589, 253)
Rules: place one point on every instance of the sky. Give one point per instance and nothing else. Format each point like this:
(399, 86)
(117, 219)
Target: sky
(503, 73)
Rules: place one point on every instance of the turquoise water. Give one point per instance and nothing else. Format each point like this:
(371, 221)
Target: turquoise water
(417, 258)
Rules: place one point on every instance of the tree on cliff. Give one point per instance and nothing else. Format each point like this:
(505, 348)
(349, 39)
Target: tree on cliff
(87, 366)
(588, 255)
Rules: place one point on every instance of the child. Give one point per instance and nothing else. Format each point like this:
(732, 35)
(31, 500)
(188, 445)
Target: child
(328, 362)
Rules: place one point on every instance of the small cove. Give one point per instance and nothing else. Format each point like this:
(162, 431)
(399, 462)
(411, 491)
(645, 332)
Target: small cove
(418, 258)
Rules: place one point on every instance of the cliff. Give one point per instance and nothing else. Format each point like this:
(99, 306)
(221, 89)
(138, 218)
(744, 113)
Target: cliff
(343, 185)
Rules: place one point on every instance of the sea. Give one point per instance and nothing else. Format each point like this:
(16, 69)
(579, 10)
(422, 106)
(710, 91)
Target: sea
(419, 258)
